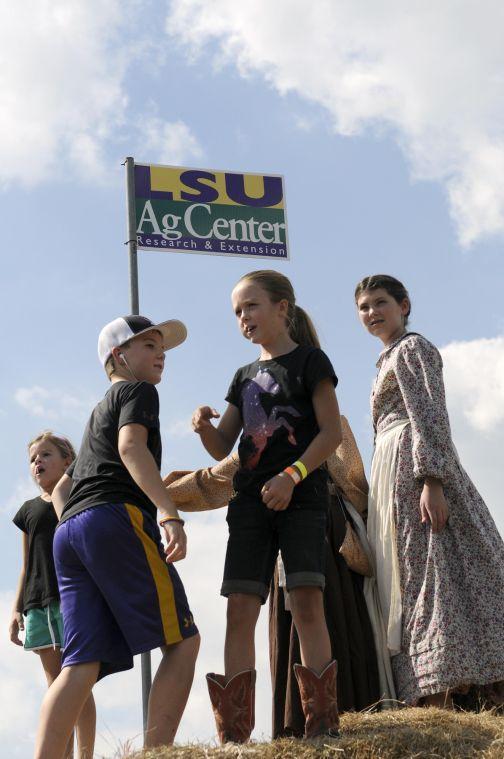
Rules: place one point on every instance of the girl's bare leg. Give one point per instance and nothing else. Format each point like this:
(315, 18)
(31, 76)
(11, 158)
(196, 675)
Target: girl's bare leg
(307, 607)
(170, 691)
(51, 662)
(86, 723)
(61, 707)
(239, 650)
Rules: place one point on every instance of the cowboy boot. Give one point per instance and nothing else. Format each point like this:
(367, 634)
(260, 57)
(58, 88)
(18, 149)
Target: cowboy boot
(233, 705)
(319, 700)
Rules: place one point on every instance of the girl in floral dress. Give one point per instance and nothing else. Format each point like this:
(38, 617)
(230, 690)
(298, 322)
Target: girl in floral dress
(439, 557)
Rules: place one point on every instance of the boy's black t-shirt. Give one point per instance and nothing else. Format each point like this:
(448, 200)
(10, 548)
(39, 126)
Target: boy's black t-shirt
(98, 474)
(274, 398)
(38, 520)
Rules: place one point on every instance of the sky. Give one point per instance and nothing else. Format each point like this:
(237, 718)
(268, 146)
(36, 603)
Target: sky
(386, 121)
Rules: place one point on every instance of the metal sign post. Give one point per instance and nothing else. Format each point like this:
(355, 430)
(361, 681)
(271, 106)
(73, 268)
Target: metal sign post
(134, 309)
(132, 242)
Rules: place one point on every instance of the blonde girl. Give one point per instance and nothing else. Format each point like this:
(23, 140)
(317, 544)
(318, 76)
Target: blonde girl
(285, 406)
(36, 609)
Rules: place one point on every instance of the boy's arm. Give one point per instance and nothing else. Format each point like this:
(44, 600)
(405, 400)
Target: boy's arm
(16, 622)
(140, 463)
(219, 441)
(60, 494)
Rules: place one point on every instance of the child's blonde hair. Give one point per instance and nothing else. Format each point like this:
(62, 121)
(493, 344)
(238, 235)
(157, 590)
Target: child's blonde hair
(279, 287)
(63, 445)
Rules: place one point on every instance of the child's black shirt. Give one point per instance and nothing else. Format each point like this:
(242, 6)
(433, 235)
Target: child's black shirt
(98, 474)
(38, 520)
(274, 398)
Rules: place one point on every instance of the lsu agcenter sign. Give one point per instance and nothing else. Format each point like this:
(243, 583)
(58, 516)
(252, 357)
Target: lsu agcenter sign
(213, 212)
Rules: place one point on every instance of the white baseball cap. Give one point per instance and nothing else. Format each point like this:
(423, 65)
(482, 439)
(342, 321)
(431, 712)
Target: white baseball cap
(122, 329)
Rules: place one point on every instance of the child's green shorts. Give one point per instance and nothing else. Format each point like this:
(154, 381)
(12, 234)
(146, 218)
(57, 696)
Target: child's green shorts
(44, 628)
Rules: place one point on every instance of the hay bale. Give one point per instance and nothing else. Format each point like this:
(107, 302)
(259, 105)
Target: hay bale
(402, 734)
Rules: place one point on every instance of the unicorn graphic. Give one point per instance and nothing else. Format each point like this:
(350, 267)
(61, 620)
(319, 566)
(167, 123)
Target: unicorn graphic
(258, 426)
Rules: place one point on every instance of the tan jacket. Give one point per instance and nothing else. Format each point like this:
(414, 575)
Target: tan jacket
(211, 488)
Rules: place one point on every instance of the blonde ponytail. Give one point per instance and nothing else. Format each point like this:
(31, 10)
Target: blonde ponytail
(302, 329)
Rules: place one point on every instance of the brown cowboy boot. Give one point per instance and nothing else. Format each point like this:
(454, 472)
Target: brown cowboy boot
(319, 700)
(233, 705)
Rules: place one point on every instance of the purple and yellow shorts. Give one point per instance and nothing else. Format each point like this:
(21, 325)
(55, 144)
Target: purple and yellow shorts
(118, 595)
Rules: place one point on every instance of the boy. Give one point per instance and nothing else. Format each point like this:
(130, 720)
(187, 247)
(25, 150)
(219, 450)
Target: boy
(120, 595)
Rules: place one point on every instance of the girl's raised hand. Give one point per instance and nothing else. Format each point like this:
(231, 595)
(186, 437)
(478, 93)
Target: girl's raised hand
(202, 416)
(433, 506)
(277, 492)
(16, 624)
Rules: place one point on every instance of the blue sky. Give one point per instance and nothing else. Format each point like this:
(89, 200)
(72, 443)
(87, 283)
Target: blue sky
(388, 129)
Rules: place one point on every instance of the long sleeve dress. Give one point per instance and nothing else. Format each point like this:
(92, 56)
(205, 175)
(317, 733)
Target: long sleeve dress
(452, 582)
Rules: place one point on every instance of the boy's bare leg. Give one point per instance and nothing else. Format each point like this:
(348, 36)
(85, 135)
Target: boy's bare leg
(239, 650)
(170, 691)
(61, 707)
(86, 729)
(307, 607)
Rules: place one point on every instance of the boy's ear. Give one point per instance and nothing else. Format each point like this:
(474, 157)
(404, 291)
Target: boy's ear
(117, 356)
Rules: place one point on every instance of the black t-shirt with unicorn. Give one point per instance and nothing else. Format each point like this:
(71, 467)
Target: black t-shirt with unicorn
(274, 398)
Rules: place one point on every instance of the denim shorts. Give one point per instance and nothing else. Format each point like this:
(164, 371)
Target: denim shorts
(257, 533)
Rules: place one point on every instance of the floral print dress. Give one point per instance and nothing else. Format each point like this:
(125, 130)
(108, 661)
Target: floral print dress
(452, 582)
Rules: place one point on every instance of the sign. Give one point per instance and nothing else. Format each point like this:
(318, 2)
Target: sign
(215, 212)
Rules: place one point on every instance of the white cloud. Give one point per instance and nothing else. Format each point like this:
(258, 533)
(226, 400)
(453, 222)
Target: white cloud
(429, 73)
(21, 689)
(24, 489)
(179, 428)
(474, 372)
(65, 91)
(474, 377)
(33, 399)
(54, 404)
(62, 89)
(167, 142)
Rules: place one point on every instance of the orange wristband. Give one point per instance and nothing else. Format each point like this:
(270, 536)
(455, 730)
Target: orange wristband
(293, 474)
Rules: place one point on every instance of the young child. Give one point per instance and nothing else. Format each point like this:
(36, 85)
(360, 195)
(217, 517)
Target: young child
(286, 406)
(37, 596)
(120, 594)
(439, 557)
